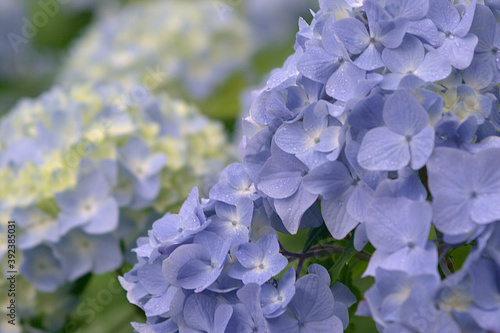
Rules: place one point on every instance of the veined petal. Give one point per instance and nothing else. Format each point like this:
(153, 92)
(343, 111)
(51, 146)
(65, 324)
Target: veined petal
(382, 149)
(352, 33)
(343, 81)
(421, 146)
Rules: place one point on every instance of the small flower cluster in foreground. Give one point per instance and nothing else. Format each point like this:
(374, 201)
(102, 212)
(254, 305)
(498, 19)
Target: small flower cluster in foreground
(81, 170)
(188, 44)
(210, 268)
(383, 124)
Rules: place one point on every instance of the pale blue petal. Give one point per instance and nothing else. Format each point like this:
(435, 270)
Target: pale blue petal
(279, 184)
(443, 14)
(105, 218)
(337, 220)
(341, 312)
(481, 27)
(66, 222)
(293, 138)
(135, 150)
(404, 115)
(222, 316)
(485, 208)
(391, 81)
(414, 261)
(341, 293)
(382, 149)
(425, 29)
(390, 33)
(411, 9)
(179, 257)
(329, 180)
(199, 312)
(249, 255)
(315, 120)
(352, 33)
(434, 67)
(291, 209)
(407, 57)
(148, 188)
(313, 158)
(316, 64)
(154, 164)
(459, 51)
(152, 278)
(313, 301)
(330, 41)
(343, 81)
(244, 211)
(359, 200)
(330, 139)
(195, 273)
(421, 146)
(452, 213)
(367, 113)
(107, 255)
(370, 59)
(390, 229)
(360, 237)
(465, 23)
(321, 272)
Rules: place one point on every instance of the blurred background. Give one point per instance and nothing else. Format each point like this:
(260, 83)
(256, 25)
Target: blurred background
(211, 53)
(40, 40)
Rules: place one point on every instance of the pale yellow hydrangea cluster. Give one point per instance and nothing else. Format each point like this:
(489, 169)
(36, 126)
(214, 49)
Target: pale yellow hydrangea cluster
(44, 140)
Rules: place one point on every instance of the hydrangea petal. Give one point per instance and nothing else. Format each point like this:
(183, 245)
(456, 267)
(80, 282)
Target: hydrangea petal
(382, 149)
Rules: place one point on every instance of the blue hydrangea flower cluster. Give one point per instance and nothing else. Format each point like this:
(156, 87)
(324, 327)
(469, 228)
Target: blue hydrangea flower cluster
(189, 45)
(211, 268)
(85, 169)
(384, 127)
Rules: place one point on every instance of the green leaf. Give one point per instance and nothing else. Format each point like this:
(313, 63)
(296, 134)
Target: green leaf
(459, 255)
(295, 242)
(315, 235)
(343, 259)
(103, 308)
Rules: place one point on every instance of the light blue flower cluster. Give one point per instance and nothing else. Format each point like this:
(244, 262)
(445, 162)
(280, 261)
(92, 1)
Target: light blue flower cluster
(385, 122)
(83, 170)
(211, 268)
(188, 46)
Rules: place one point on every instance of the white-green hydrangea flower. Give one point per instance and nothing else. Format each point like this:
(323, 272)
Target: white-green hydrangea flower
(82, 169)
(193, 44)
